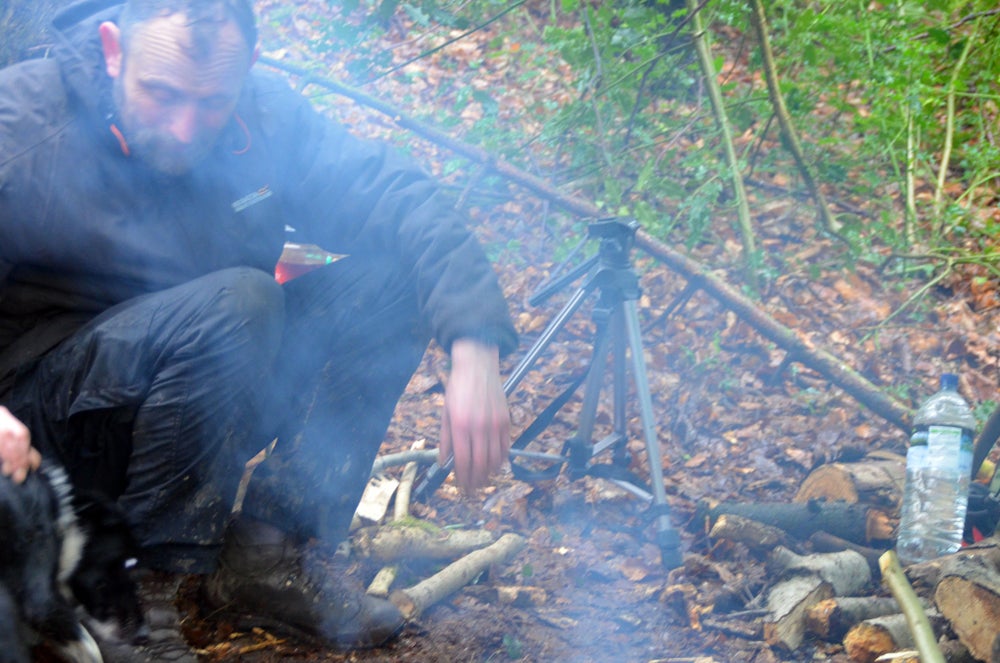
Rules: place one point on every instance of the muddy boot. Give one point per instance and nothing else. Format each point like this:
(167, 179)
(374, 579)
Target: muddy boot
(263, 573)
(160, 640)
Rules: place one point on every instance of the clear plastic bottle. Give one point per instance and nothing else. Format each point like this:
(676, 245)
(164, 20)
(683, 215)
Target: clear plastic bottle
(938, 469)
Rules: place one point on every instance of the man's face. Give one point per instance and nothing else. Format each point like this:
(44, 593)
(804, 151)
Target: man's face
(172, 99)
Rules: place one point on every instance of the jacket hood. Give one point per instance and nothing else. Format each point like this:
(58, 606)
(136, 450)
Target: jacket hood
(81, 60)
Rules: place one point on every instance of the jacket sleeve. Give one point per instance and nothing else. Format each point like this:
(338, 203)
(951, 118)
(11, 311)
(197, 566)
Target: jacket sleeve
(354, 196)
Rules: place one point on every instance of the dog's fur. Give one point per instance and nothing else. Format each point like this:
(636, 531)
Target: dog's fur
(61, 552)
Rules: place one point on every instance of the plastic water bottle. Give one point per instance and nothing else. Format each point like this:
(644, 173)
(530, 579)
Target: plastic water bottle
(938, 469)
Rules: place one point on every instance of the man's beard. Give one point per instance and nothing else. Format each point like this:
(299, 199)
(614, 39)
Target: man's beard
(157, 148)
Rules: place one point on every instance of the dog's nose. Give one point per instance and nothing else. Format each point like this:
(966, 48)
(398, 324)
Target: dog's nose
(141, 636)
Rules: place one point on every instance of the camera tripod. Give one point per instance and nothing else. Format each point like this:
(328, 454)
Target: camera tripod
(616, 321)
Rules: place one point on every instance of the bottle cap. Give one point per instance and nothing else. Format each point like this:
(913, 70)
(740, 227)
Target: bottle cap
(949, 381)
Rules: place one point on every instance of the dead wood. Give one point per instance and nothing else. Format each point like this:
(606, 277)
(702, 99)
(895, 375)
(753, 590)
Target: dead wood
(846, 571)
(798, 349)
(854, 522)
(824, 542)
(968, 595)
(417, 540)
(382, 582)
(787, 602)
(875, 637)
(756, 536)
(832, 618)
(414, 600)
(925, 576)
(876, 480)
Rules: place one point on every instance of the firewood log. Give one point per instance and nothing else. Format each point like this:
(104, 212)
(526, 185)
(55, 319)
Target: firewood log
(787, 602)
(756, 536)
(846, 571)
(854, 522)
(877, 481)
(872, 638)
(968, 595)
(831, 619)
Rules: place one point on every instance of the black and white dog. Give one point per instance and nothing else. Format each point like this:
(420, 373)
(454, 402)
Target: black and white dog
(64, 562)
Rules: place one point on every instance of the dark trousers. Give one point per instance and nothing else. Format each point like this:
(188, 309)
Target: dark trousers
(161, 400)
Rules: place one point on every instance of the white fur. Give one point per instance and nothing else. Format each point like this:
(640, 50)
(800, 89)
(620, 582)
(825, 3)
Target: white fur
(71, 536)
(82, 650)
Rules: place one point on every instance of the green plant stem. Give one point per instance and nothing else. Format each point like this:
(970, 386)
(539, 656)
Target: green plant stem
(759, 20)
(949, 132)
(916, 618)
(700, 38)
(910, 219)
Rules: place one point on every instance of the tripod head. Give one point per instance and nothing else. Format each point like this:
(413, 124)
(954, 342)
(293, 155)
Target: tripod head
(617, 237)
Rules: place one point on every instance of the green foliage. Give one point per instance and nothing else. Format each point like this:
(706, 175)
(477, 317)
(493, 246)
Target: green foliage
(887, 99)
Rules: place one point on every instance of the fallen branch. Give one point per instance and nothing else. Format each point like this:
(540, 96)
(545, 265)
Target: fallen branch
(800, 350)
(421, 456)
(401, 508)
(853, 522)
(414, 539)
(414, 600)
(756, 536)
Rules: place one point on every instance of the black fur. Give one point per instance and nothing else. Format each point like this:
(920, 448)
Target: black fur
(58, 551)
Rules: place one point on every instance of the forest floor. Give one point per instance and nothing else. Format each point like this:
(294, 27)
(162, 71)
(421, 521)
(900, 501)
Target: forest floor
(734, 423)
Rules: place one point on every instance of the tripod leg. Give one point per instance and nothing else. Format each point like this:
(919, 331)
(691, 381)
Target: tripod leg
(543, 341)
(667, 537)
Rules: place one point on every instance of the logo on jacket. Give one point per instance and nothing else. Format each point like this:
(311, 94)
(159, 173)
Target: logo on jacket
(252, 198)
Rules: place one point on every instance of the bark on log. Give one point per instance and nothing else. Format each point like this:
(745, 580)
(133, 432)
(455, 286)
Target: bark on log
(968, 595)
(827, 365)
(397, 542)
(756, 536)
(823, 542)
(787, 603)
(846, 571)
(831, 619)
(924, 576)
(876, 481)
(414, 600)
(872, 638)
(853, 522)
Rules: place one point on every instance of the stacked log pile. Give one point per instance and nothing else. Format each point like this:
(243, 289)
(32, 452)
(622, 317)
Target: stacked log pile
(823, 582)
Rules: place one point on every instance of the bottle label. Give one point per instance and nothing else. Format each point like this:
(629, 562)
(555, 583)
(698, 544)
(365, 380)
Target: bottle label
(951, 447)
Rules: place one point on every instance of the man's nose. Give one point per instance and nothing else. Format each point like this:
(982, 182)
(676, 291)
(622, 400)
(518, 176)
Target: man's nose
(184, 124)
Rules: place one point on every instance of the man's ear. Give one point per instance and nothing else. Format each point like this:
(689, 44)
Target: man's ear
(111, 44)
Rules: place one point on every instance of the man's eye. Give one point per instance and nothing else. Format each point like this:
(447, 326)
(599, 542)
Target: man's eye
(163, 96)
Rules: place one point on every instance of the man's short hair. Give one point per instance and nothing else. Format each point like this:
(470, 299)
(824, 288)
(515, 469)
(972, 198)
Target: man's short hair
(205, 17)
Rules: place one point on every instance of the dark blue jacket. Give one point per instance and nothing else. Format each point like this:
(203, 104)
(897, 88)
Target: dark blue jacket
(83, 226)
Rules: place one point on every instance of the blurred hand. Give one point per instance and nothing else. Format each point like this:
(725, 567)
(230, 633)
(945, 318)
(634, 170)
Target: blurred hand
(17, 456)
(475, 425)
